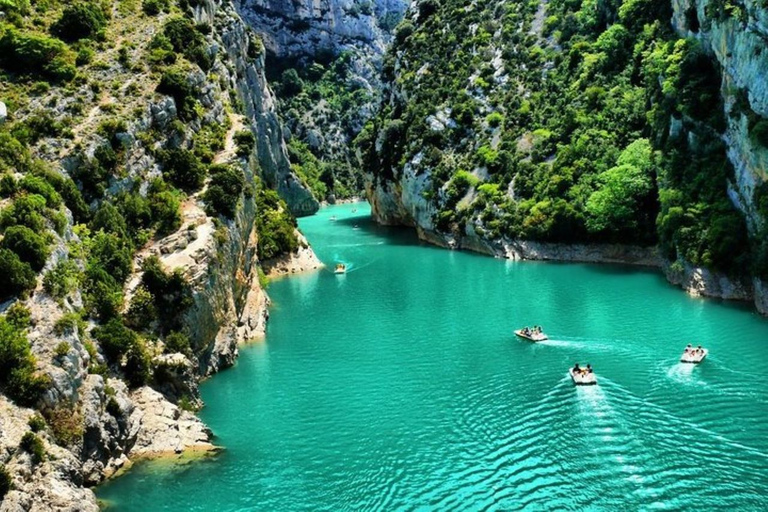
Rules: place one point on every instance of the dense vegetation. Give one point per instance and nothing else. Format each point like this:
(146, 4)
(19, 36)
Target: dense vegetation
(585, 122)
(324, 105)
(73, 213)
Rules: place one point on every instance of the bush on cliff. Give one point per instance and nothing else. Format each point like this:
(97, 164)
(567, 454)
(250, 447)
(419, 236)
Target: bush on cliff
(36, 54)
(33, 445)
(183, 169)
(28, 245)
(80, 21)
(224, 190)
(16, 276)
(171, 294)
(17, 366)
(275, 226)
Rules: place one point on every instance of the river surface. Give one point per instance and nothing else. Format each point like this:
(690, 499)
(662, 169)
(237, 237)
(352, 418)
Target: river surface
(400, 386)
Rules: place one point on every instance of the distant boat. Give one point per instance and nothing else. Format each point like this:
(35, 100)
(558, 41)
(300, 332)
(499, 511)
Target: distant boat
(534, 335)
(333, 217)
(340, 269)
(694, 355)
(354, 210)
(583, 376)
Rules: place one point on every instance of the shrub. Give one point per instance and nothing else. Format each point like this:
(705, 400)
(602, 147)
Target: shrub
(171, 293)
(115, 339)
(177, 342)
(138, 365)
(28, 245)
(187, 39)
(109, 220)
(68, 323)
(66, 424)
(290, 83)
(224, 190)
(112, 253)
(275, 226)
(113, 407)
(19, 316)
(183, 169)
(40, 55)
(16, 276)
(62, 349)
(494, 119)
(27, 210)
(80, 21)
(41, 186)
(245, 142)
(161, 50)
(154, 7)
(33, 445)
(36, 422)
(174, 83)
(165, 205)
(62, 279)
(141, 313)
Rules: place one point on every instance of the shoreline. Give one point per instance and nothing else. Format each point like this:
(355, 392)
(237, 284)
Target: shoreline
(693, 280)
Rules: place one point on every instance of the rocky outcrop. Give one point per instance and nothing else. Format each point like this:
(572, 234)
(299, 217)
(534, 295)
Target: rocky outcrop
(260, 105)
(303, 260)
(296, 28)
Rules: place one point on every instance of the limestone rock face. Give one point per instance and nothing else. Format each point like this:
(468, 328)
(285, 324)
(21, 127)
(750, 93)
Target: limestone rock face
(163, 428)
(260, 107)
(305, 27)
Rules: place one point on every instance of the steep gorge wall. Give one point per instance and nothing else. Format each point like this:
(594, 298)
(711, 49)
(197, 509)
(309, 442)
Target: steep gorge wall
(405, 193)
(219, 260)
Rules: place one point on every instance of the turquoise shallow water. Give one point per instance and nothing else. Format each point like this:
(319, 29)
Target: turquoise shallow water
(399, 386)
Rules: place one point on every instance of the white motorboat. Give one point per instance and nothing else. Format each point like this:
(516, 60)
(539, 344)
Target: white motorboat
(583, 376)
(694, 355)
(340, 269)
(533, 335)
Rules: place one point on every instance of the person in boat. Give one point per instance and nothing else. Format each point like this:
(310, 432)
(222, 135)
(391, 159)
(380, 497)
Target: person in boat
(526, 331)
(689, 348)
(576, 368)
(699, 349)
(589, 368)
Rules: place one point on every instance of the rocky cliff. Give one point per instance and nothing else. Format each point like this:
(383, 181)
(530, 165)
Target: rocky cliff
(519, 145)
(93, 418)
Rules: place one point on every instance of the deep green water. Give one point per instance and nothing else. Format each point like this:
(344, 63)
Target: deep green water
(399, 386)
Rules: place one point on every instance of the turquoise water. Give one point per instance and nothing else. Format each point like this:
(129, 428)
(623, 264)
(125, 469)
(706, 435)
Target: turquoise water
(399, 386)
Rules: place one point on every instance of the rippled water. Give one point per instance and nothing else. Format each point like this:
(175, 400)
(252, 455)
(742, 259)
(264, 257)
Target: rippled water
(400, 386)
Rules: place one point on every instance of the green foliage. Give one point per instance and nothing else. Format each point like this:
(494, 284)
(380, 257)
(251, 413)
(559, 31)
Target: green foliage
(115, 339)
(80, 21)
(224, 190)
(171, 294)
(18, 377)
(66, 423)
(37, 55)
(165, 205)
(177, 342)
(16, 276)
(183, 169)
(154, 7)
(187, 39)
(307, 167)
(36, 423)
(62, 279)
(33, 445)
(30, 247)
(175, 82)
(62, 349)
(274, 225)
(290, 83)
(245, 142)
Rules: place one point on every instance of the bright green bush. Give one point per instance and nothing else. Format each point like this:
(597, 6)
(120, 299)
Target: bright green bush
(171, 293)
(274, 225)
(37, 55)
(30, 247)
(175, 82)
(16, 276)
(17, 366)
(115, 339)
(245, 142)
(62, 279)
